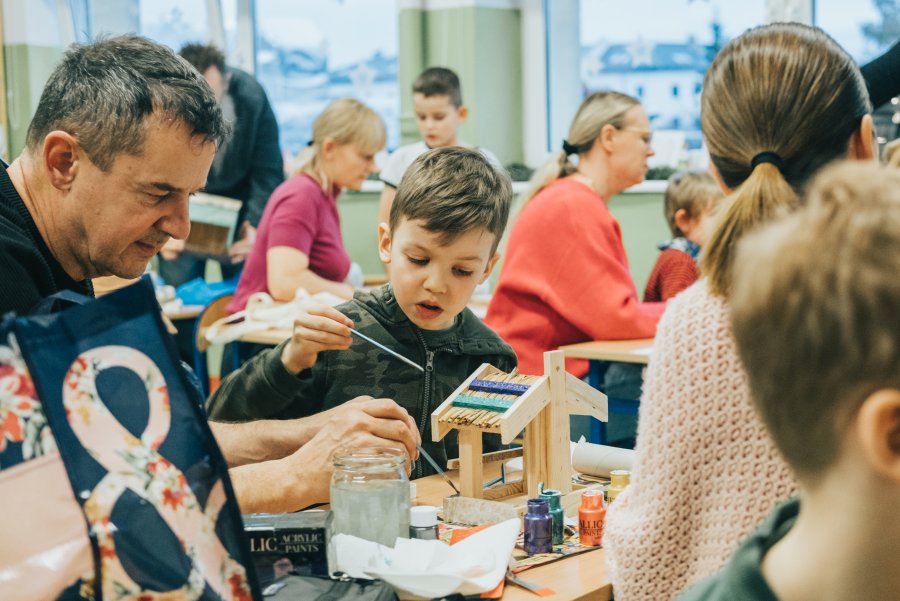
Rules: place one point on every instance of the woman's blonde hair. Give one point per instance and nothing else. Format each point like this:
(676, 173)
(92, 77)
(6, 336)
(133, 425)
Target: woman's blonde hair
(597, 110)
(779, 102)
(346, 121)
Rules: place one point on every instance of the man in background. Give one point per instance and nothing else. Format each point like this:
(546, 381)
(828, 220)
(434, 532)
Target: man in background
(248, 165)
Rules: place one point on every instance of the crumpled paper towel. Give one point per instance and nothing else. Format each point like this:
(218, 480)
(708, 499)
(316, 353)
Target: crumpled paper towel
(430, 568)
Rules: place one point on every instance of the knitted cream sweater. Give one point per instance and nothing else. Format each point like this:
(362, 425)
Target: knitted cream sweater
(706, 472)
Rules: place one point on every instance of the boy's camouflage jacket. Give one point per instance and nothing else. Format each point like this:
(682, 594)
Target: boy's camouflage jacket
(264, 389)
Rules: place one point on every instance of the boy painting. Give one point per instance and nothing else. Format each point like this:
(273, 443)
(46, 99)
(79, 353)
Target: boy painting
(439, 109)
(815, 319)
(440, 241)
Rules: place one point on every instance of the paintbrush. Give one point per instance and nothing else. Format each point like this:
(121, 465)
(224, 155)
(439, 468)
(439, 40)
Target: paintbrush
(387, 350)
(437, 468)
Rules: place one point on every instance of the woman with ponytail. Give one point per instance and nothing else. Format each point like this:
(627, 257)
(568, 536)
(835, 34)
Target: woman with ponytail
(565, 276)
(299, 242)
(778, 103)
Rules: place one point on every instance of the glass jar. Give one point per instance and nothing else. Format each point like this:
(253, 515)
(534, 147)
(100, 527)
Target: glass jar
(370, 494)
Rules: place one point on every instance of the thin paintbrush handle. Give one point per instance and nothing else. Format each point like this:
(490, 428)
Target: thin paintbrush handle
(387, 350)
(437, 468)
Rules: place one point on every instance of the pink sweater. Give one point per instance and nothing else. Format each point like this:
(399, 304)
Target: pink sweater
(706, 472)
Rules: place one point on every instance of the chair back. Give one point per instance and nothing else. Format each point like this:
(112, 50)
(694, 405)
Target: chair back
(213, 311)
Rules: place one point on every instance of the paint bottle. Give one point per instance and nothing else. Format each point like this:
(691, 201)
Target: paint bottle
(556, 513)
(538, 527)
(423, 522)
(591, 516)
(618, 480)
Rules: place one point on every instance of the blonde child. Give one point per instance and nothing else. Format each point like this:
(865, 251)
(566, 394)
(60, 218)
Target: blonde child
(690, 201)
(440, 241)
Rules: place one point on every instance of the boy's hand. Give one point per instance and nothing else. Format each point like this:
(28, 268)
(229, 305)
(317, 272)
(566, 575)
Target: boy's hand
(320, 328)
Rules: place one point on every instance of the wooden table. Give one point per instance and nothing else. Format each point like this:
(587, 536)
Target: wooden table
(599, 353)
(624, 351)
(574, 578)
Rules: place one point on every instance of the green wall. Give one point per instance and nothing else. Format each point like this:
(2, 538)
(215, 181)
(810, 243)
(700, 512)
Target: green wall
(639, 214)
(643, 227)
(483, 46)
(28, 67)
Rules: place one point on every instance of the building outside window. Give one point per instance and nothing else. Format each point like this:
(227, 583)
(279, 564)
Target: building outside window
(310, 52)
(659, 51)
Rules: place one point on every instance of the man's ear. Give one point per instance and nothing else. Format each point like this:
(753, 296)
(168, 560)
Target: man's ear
(489, 268)
(384, 243)
(462, 113)
(877, 428)
(61, 157)
(862, 142)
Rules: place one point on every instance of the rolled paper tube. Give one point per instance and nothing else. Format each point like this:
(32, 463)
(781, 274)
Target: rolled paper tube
(600, 460)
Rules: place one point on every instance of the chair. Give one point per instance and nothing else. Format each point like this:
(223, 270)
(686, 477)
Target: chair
(214, 310)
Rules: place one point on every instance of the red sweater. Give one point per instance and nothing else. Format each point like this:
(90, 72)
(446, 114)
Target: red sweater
(674, 271)
(565, 279)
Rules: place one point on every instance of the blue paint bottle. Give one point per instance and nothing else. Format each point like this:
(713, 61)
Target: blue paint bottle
(538, 527)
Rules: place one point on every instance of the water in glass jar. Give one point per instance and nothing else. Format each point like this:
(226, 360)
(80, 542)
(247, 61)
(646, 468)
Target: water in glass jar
(376, 510)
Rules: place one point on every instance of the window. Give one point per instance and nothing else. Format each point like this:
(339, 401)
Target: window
(659, 58)
(865, 29)
(310, 52)
(174, 22)
(170, 22)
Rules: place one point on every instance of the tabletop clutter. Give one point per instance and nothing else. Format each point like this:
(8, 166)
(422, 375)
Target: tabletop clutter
(485, 535)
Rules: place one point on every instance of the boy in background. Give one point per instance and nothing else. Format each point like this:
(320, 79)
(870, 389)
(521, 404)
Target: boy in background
(437, 102)
(440, 242)
(690, 200)
(814, 316)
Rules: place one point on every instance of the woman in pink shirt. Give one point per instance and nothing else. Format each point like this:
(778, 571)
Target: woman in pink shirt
(299, 243)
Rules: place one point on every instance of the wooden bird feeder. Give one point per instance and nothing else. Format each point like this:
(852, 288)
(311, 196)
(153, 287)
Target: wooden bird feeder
(499, 403)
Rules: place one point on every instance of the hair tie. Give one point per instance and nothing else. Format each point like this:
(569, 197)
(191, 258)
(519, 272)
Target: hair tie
(767, 157)
(569, 148)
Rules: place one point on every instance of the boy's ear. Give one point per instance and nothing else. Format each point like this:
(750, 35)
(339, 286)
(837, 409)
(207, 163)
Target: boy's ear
(862, 142)
(489, 268)
(462, 113)
(877, 428)
(61, 157)
(384, 243)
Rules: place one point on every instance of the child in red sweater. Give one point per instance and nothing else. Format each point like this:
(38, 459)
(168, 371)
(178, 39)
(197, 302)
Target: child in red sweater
(690, 201)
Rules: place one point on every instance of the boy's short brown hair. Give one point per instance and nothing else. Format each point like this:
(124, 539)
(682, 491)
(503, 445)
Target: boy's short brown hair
(454, 190)
(814, 310)
(439, 81)
(693, 191)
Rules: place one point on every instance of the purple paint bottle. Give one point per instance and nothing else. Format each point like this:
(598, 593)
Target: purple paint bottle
(538, 527)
